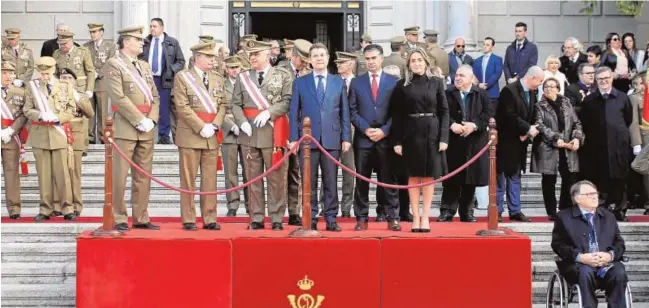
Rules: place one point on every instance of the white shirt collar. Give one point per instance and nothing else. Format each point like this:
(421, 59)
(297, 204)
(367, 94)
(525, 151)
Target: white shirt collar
(584, 211)
(160, 38)
(198, 71)
(350, 77)
(315, 75)
(233, 80)
(265, 70)
(98, 43)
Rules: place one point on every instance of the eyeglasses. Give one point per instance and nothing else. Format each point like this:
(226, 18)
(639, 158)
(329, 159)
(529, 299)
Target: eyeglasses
(604, 78)
(459, 46)
(590, 194)
(550, 87)
(588, 73)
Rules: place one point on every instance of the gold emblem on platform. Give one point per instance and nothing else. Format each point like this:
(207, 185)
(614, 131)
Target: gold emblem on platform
(305, 300)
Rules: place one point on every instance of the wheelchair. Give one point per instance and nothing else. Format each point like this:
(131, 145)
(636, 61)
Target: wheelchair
(560, 293)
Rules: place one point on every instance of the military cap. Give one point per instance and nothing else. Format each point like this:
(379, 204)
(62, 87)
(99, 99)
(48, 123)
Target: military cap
(205, 38)
(8, 66)
(344, 56)
(288, 44)
(257, 46)
(12, 33)
(95, 26)
(68, 71)
(46, 64)
(301, 48)
(233, 61)
(398, 40)
(132, 31)
(428, 33)
(248, 37)
(65, 37)
(206, 48)
(366, 37)
(412, 30)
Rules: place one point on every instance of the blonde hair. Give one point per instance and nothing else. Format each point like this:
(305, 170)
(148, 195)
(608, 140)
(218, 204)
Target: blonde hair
(552, 58)
(409, 73)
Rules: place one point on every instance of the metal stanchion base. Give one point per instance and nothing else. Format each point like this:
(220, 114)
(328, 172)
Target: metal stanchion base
(107, 233)
(487, 232)
(305, 233)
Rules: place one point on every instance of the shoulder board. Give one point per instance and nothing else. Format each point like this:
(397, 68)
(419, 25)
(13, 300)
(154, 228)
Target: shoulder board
(83, 48)
(283, 69)
(56, 53)
(16, 90)
(88, 44)
(24, 46)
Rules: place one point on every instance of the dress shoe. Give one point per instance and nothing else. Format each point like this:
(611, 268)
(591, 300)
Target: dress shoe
(213, 226)
(314, 224)
(41, 217)
(231, 213)
(346, 215)
(552, 217)
(190, 227)
(394, 225)
(57, 213)
(70, 217)
(406, 218)
(257, 226)
(445, 217)
(14, 216)
(277, 226)
(84, 154)
(360, 226)
(519, 217)
(415, 230)
(333, 227)
(467, 218)
(147, 226)
(500, 217)
(164, 140)
(122, 227)
(294, 220)
(646, 212)
(381, 218)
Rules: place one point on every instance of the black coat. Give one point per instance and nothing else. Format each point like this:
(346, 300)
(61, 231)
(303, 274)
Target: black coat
(461, 149)
(569, 68)
(513, 119)
(574, 93)
(606, 152)
(50, 46)
(174, 59)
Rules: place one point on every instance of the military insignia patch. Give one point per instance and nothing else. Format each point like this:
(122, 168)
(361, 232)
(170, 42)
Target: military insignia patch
(251, 44)
(76, 61)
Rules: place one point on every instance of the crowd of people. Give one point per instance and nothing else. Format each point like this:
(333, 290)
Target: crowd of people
(409, 117)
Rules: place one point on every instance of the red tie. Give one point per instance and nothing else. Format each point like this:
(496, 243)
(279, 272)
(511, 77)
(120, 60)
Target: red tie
(375, 87)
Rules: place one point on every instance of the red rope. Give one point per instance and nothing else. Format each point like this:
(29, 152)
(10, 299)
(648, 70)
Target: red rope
(377, 183)
(205, 193)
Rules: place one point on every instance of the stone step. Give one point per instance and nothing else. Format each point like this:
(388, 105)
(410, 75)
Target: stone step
(39, 252)
(639, 289)
(601, 305)
(39, 273)
(38, 295)
(637, 270)
(637, 250)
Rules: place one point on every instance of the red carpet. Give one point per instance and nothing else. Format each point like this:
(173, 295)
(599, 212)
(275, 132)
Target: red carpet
(240, 268)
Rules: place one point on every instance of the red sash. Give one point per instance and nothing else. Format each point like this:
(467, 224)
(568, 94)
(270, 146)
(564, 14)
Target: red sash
(66, 128)
(280, 132)
(144, 109)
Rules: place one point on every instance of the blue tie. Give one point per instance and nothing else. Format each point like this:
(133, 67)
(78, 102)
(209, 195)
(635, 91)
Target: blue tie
(592, 237)
(605, 95)
(320, 91)
(155, 56)
(527, 97)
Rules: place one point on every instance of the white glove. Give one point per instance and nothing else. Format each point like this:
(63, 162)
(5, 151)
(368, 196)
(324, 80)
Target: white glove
(637, 149)
(246, 128)
(262, 118)
(6, 134)
(145, 125)
(235, 130)
(207, 131)
(96, 75)
(77, 97)
(89, 93)
(18, 83)
(48, 116)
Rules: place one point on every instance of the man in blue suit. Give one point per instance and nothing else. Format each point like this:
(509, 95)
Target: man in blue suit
(520, 55)
(323, 98)
(369, 102)
(488, 68)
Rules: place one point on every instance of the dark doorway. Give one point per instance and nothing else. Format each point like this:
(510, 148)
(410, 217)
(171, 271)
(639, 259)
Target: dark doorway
(326, 28)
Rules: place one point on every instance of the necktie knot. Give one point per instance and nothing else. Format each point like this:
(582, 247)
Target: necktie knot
(589, 216)
(605, 95)
(261, 77)
(320, 77)
(374, 76)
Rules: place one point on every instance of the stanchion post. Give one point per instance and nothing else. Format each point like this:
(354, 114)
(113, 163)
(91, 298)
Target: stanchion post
(108, 228)
(305, 230)
(492, 212)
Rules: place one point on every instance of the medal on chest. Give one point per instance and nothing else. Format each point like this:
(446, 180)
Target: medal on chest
(76, 61)
(101, 56)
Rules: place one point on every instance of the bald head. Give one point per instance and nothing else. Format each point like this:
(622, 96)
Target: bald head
(459, 45)
(534, 77)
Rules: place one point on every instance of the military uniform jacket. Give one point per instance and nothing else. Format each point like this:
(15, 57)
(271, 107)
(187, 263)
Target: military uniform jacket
(15, 100)
(228, 136)
(361, 63)
(80, 61)
(215, 67)
(438, 58)
(395, 59)
(48, 137)
(125, 95)
(24, 61)
(277, 89)
(106, 50)
(80, 111)
(188, 104)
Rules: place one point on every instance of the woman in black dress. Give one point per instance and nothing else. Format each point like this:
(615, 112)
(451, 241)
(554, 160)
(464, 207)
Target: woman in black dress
(420, 128)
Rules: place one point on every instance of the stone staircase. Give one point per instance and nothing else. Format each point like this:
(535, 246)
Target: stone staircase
(39, 260)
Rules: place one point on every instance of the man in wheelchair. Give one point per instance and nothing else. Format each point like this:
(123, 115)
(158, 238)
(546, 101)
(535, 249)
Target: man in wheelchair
(588, 241)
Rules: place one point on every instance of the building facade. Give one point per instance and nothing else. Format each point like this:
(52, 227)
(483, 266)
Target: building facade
(337, 23)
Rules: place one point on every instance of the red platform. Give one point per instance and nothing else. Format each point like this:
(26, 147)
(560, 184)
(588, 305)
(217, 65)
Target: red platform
(239, 268)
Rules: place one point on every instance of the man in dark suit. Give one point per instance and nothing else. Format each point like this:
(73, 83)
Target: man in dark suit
(457, 57)
(514, 117)
(588, 241)
(322, 97)
(487, 69)
(520, 55)
(50, 46)
(369, 105)
(577, 91)
(571, 59)
(166, 58)
(469, 110)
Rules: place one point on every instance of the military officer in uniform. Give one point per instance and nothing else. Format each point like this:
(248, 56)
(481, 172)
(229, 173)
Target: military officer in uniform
(136, 106)
(412, 38)
(438, 57)
(243, 52)
(48, 104)
(13, 122)
(261, 97)
(201, 39)
(79, 60)
(288, 52)
(397, 57)
(200, 103)
(230, 149)
(361, 64)
(100, 51)
(21, 56)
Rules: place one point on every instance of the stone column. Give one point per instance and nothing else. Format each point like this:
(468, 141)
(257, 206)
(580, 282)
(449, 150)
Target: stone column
(461, 22)
(135, 13)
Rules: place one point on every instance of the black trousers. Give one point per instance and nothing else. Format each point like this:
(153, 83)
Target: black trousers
(548, 184)
(377, 160)
(613, 284)
(329, 176)
(454, 195)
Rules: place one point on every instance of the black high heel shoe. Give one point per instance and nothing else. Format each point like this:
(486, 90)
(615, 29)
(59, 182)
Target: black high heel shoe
(425, 230)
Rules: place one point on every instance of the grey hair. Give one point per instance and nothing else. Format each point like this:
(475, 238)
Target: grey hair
(534, 71)
(575, 43)
(468, 67)
(575, 189)
(409, 74)
(603, 69)
(582, 66)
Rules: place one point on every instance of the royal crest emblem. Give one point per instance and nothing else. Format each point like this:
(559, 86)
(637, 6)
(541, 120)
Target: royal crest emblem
(305, 300)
